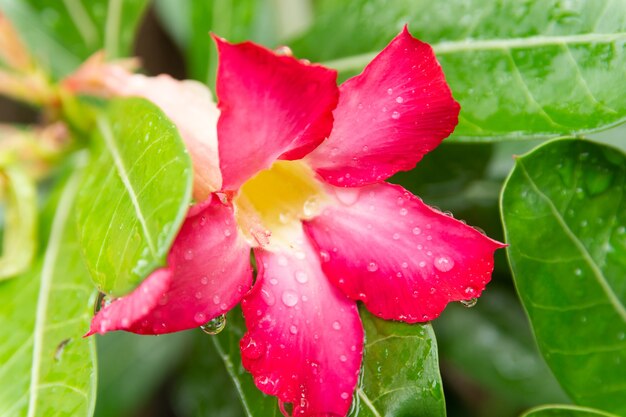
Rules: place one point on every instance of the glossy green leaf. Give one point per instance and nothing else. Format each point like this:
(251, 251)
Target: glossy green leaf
(132, 367)
(135, 195)
(519, 68)
(20, 221)
(63, 33)
(492, 345)
(564, 214)
(400, 374)
(46, 367)
(565, 411)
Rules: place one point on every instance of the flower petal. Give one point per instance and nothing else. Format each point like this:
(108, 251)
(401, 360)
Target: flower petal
(272, 107)
(305, 338)
(388, 117)
(208, 273)
(188, 104)
(402, 258)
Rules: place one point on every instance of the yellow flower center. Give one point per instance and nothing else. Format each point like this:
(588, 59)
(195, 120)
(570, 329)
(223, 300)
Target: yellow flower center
(270, 205)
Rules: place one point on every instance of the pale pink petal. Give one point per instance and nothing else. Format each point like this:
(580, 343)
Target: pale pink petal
(188, 104)
(402, 258)
(208, 273)
(272, 107)
(388, 117)
(305, 338)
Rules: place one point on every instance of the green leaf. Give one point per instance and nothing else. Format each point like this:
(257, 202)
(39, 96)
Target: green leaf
(564, 215)
(519, 68)
(20, 225)
(400, 374)
(565, 411)
(63, 33)
(135, 195)
(133, 367)
(47, 368)
(493, 345)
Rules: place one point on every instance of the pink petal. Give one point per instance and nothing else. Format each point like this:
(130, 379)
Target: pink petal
(271, 107)
(305, 339)
(402, 258)
(188, 104)
(388, 117)
(208, 274)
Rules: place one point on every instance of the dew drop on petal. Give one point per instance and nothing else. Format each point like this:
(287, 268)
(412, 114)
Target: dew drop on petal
(417, 231)
(343, 358)
(336, 325)
(395, 115)
(403, 212)
(290, 298)
(390, 91)
(444, 263)
(268, 297)
(214, 326)
(347, 196)
(250, 348)
(372, 267)
(345, 395)
(324, 256)
(273, 281)
(216, 299)
(293, 329)
(301, 277)
(188, 255)
(200, 318)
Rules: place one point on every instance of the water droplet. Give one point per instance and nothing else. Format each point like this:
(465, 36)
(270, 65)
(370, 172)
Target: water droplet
(266, 384)
(273, 281)
(395, 115)
(336, 325)
(310, 207)
(325, 256)
(372, 267)
(199, 318)
(198, 295)
(469, 303)
(345, 395)
(227, 232)
(347, 196)
(290, 298)
(293, 329)
(214, 326)
(578, 272)
(301, 277)
(399, 99)
(204, 280)
(268, 297)
(343, 358)
(216, 299)
(403, 212)
(188, 255)
(417, 231)
(444, 263)
(250, 348)
(422, 264)
(390, 91)
(396, 236)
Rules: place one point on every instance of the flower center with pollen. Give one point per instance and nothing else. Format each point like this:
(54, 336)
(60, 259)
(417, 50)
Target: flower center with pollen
(270, 205)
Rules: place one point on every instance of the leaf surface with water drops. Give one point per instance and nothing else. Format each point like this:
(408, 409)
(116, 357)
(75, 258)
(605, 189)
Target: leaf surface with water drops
(564, 215)
(520, 69)
(400, 375)
(135, 195)
(46, 367)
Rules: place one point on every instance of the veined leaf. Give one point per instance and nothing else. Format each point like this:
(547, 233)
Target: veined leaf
(63, 33)
(46, 367)
(565, 411)
(564, 214)
(135, 195)
(20, 228)
(400, 374)
(519, 68)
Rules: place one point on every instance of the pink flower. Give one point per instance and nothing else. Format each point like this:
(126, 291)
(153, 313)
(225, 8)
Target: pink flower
(302, 166)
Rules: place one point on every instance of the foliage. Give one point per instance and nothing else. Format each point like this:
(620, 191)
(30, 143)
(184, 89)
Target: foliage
(96, 205)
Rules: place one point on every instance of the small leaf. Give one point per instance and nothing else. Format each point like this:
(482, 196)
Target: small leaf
(520, 69)
(135, 195)
(20, 224)
(400, 375)
(62, 34)
(46, 367)
(564, 215)
(565, 411)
